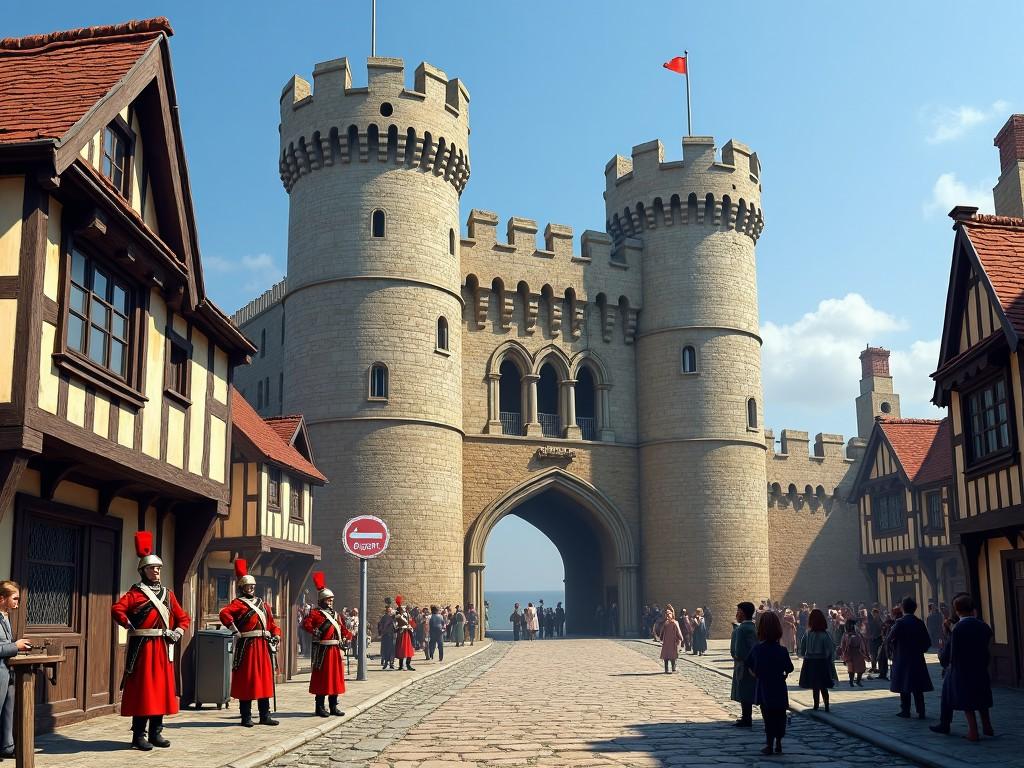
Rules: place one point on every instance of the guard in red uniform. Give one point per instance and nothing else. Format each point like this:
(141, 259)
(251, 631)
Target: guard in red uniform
(255, 662)
(329, 636)
(155, 622)
(404, 626)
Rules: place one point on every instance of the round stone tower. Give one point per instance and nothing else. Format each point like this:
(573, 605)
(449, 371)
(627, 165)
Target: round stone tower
(373, 314)
(698, 360)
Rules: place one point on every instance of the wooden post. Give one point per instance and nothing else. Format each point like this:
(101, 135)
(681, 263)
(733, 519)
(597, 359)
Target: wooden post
(25, 668)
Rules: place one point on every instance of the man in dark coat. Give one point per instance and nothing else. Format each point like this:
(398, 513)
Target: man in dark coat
(966, 686)
(744, 638)
(909, 641)
(934, 622)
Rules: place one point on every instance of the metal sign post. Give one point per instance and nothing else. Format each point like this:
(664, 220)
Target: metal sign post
(361, 646)
(364, 537)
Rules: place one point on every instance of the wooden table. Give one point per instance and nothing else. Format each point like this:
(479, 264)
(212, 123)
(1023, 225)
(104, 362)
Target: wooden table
(25, 667)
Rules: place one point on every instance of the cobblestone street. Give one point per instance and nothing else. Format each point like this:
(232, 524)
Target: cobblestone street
(569, 703)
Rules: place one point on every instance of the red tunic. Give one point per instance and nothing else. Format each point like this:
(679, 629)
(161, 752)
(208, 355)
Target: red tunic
(329, 679)
(254, 678)
(403, 644)
(149, 689)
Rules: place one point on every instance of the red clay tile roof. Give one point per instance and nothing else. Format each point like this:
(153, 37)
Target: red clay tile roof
(285, 426)
(266, 439)
(51, 81)
(999, 243)
(922, 447)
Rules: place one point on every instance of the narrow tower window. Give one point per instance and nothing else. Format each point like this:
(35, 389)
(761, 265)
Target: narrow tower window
(263, 343)
(451, 242)
(689, 359)
(442, 333)
(752, 413)
(378, 223)
(378, 381)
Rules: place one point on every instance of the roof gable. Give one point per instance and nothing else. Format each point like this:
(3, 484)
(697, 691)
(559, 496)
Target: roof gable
(920, 448)
(266, 439)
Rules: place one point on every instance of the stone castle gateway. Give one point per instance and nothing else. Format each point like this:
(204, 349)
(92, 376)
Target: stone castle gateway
(609, 394)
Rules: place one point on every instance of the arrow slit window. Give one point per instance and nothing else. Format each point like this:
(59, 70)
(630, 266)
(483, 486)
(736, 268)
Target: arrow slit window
(379, 384)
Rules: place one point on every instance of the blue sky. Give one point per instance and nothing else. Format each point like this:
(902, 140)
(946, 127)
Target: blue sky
(871, 121)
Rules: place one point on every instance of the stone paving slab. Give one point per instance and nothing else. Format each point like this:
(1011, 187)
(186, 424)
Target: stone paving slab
(212, 738)
(869, 713)
(599, 703)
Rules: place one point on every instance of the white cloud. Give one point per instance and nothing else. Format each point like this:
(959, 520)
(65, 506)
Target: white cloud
(811, 367)
(249, 273)
(948, 191)
(951, 123)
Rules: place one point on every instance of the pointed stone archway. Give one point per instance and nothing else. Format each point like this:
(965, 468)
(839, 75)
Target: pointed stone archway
(573, 513)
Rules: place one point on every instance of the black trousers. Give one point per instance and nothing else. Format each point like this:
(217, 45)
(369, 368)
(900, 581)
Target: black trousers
(515, 631)
(918, 702)
(746, 711)
(883, 661)
(154, 722)
(774, 722)
(437, 643)
(245, 708)
(876, 648)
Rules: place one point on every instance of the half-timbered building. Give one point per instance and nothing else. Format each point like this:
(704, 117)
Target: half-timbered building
(115, 367)
(902, 491)
(979, 379)
(269, 522)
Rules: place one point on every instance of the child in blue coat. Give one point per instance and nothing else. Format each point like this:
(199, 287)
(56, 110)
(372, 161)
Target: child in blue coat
(769, 663)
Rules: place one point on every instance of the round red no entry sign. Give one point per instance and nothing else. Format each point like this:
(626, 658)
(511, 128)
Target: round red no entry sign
(365, 536)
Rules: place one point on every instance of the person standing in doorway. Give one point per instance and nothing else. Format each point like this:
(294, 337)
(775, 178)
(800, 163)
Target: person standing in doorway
(155, 622)
(909, 640)
(10, 597)
(744, 638)
(517, 622)
(253, 667)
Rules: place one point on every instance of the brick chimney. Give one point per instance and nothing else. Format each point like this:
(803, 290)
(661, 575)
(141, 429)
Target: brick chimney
(877, 397)
(1008, 193)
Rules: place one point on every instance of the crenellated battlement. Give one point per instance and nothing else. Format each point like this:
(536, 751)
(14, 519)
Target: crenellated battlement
(645, 192)
(800, 474)
(333, 123)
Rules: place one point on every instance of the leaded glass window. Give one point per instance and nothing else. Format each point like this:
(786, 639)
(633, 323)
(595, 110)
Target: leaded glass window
(98, 311)
(54, 553)
(988, 420)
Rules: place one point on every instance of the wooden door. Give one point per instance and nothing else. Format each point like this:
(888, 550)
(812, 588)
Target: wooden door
(100, 662)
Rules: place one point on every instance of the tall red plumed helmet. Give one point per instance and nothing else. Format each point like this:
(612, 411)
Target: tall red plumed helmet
(242, 572)
(144, 549)
(321, 586)
(398, 600)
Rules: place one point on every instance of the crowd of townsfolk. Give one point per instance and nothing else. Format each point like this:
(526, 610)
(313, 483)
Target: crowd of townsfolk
(765, 639)
(535, 622)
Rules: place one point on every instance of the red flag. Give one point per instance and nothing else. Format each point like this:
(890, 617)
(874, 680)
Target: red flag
(678, 64)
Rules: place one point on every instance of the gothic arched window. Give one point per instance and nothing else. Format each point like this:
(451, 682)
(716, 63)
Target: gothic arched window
(377, 223)
(689, 359)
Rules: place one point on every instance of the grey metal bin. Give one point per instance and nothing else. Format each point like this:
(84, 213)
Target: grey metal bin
(213, 666)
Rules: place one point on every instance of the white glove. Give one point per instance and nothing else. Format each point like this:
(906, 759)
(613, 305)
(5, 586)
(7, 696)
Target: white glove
(174, 635)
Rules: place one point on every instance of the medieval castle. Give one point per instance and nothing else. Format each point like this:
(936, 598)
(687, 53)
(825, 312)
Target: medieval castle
(607, 391)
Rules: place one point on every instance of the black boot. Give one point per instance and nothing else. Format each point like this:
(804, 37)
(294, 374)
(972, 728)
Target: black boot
(139, 734)
(408, 665)
(245, 709)
(333, 701)
(265, 718)
(320, 711)
(156, 726)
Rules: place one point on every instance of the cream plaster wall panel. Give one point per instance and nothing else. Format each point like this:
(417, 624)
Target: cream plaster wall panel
(237, 478)
(155, 373)
(51, 273)
(285, 496)
(77, 495)
(179, 324)
(220, 375)
(126, 427)
(175, 436)
(218, 432)
(49, 381)
(128, 512)
(76, 403)
(197, 413)
(138, 172)
(8, 315)
(12, 191)
(254, 472)
(101, 415)
(149, 214)
(7, 538)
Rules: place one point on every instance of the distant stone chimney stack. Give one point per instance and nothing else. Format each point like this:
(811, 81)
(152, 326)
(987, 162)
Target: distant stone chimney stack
(1008, 193)
(876, 394)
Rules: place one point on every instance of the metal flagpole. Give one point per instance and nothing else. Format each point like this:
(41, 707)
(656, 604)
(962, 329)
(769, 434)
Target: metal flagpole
(689, 126)
(363, 622)
(373, 52)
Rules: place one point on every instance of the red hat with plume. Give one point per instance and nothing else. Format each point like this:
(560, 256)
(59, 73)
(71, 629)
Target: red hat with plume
(242, 572)
(398, 600)
(320, 583)
(144, 549)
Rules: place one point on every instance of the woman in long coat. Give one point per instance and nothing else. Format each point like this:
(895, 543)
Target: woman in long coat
(386, 632)
(459, 627)
(789, 631)
(700, 633)
(853, 651)
(744, 638)
(671, 639)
